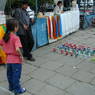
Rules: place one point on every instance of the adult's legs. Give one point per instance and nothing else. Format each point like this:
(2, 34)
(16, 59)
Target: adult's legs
(27, 43)
(30, 44)
(24, 41)
(30, 40)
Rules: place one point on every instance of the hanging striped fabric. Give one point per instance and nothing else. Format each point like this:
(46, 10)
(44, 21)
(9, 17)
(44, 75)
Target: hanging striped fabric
(49, 28)
(54, 24)
(57, 28)
(54, 27)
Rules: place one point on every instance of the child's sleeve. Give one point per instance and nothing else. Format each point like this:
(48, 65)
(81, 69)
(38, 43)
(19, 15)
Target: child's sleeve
(18, 43)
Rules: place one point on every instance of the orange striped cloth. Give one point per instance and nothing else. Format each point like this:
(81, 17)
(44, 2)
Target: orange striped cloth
(54, 31)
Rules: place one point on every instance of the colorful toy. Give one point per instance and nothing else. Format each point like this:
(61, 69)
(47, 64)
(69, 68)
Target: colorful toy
(74, 50)
(53, 50)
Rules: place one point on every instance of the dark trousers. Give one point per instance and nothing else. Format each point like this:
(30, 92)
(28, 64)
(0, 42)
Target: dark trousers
(13, 76)
(27, 43)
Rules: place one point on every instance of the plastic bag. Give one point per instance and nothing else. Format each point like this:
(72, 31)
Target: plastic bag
(2, 56)
(2, 31)
(2, 53)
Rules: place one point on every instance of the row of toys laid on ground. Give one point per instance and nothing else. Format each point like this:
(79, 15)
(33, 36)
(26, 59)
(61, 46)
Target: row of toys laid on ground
(74, 50)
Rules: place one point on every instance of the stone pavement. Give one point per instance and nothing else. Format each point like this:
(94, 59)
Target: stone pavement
(56, 74)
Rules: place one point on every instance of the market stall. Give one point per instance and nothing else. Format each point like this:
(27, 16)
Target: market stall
(52, 28)
(62, 25)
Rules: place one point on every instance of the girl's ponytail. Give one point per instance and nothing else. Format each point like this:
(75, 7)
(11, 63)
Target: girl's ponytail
(11, 24)
(6, 36)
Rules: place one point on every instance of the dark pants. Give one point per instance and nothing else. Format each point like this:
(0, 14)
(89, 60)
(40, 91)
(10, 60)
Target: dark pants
(14, 75)
(27, 43)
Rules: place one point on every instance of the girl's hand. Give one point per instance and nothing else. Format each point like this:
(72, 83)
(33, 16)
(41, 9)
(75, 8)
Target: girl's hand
(22, 58)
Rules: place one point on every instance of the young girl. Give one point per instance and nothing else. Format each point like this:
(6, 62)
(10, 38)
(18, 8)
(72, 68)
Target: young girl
(12, 46)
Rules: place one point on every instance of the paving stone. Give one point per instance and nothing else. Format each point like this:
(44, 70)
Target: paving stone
(67, 70)
(4, 91)
(42, 74)
(81, 89)
(52, 56)
(50, 90)
(4, 84)
(92, 70)
(83, 76)
(68, 60)
(25, 78)
(44, 51)
(26, 71)
(52, 65)
(38, 62)
(68, 94)
(3, 76)
(61, 81)
(86, 66)
(26, 93)
(59, 58)
(2, 67)
(93, 81)
(33, 86)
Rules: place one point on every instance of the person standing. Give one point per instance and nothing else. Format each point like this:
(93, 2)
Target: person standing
(24, 32)
(12, 47)
(31, 14)
(59, 8)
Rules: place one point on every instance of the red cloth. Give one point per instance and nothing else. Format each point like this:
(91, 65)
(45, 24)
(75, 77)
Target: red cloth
(49, 28)
(54, 27)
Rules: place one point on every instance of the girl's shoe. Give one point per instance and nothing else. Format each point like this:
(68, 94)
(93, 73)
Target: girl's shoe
(22, 90)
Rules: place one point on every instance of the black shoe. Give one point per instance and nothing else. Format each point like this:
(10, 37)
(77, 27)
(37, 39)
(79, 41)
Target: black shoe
(31, 59)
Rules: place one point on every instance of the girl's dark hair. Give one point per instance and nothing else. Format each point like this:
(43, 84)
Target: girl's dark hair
(10, 24)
